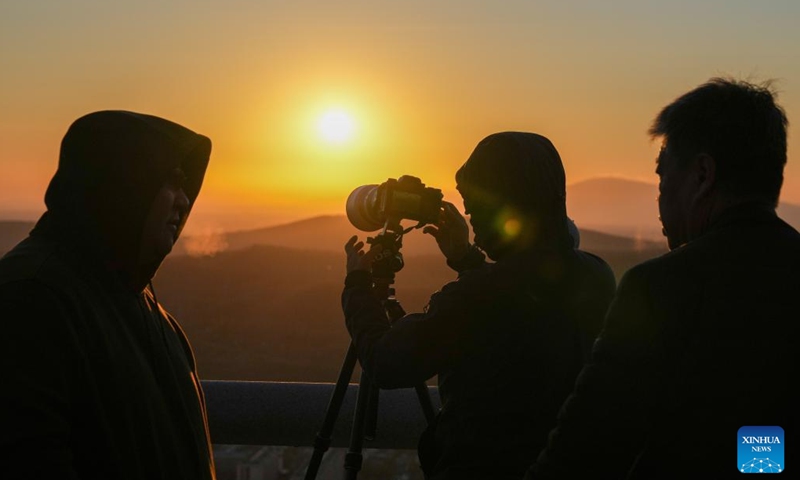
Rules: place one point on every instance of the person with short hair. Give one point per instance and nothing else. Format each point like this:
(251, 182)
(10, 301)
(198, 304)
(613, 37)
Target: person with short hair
(507, 338)
(98, 380)
(701, 341)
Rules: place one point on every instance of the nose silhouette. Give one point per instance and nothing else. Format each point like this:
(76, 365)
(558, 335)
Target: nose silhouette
(182, 202)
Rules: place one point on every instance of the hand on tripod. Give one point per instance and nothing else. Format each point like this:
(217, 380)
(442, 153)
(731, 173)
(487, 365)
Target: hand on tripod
(357, 259)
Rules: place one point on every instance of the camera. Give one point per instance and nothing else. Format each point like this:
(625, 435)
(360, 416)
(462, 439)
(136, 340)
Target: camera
(372, 207)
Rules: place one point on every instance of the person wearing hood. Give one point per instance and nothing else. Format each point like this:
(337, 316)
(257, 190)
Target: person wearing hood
(99, 381)
(508, 337)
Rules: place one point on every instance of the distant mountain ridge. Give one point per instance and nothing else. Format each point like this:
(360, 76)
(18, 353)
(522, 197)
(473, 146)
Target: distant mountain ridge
(330, 232)
(615, 205)
(624, 210)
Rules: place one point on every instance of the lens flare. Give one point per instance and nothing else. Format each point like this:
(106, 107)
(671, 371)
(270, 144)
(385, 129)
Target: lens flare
(511, 228)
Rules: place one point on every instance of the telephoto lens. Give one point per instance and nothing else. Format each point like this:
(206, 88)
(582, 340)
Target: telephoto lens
(362, 209)
(369, 207)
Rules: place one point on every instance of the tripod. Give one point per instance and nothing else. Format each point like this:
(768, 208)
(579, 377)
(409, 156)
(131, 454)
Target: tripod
(366, 408)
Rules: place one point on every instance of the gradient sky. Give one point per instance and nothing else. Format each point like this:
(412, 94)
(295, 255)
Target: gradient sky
(423, 82)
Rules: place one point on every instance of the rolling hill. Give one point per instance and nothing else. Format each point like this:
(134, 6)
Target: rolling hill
(329, 233)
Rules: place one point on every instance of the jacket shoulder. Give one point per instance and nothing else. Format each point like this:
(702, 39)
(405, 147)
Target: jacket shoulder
(25, 261)
(598, 266)
(676, 262)
(37, 261)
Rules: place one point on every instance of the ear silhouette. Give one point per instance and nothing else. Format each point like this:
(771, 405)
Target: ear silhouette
(705, 174)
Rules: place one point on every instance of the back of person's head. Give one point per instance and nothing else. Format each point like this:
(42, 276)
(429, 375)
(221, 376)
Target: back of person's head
(738, 124)
(515, 181)
(111, 166)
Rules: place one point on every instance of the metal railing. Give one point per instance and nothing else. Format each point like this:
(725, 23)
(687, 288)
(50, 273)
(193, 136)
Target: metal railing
(291, 414)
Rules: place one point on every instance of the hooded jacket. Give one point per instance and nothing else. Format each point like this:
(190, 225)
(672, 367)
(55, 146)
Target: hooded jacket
(99, 381)
(505, 339)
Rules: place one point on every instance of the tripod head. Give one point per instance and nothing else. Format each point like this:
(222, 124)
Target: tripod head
(387, 263)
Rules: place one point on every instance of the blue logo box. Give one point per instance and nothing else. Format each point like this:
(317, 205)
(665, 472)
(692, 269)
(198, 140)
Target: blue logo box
(761, 450)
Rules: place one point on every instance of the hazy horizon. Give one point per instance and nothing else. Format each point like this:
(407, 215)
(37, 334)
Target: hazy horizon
(607, 204)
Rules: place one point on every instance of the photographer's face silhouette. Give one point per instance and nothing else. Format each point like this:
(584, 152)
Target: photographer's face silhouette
(486, 225)
(164, 220)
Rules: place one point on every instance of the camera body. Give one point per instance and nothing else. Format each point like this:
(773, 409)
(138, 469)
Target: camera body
(370, 207)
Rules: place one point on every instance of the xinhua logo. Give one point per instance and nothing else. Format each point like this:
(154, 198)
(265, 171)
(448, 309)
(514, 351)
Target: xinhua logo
(760, 450)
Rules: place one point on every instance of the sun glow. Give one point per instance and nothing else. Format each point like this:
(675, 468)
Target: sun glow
(336, 126)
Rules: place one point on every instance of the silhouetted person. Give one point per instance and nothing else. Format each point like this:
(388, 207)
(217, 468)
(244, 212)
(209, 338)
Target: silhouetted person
(703, 340)
(98, 380)
(506, 339)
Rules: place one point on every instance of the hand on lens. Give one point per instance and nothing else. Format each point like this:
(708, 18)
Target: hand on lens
(451, 233)
(357, 259)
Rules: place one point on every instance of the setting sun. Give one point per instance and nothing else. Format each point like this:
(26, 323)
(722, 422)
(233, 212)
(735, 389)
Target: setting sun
(336, 126)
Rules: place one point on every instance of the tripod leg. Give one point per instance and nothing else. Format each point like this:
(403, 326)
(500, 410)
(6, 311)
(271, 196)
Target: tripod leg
(371, 424)
(323, 439)
(353, 458)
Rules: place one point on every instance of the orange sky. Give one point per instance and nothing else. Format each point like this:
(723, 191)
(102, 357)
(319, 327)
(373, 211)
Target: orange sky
(423, 82)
